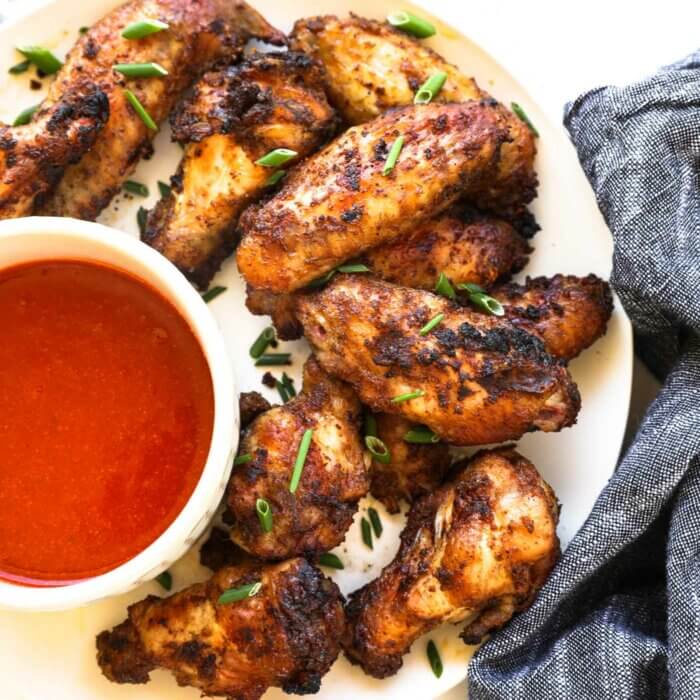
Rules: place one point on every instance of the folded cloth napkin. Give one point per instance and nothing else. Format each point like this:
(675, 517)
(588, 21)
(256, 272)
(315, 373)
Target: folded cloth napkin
(620, 616)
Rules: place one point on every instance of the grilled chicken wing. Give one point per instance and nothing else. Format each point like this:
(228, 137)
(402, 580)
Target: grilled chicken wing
(340, 204)
(334, 477)
(34, 156)
(286, 636)
(236, 116)
(199, 31)
(477, 550)
(372, 67)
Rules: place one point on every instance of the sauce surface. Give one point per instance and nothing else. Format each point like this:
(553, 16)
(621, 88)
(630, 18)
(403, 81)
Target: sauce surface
(106, 415)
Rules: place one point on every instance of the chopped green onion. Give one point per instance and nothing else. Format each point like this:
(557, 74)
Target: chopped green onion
(243, 459)
(164, 189)
(320, 281)
(141, 218)
(275, 158)
(136, 188)
(138, 30)
(444, 286)
(25, 116)
(421, 435)
(408, 396)
(520, 113)
(430, 88)
(274, 178)
(409, 23)
(140, 70)
(434, 321)
(370, 424)
(18, 68)
(471, 288)
(353, 267)
(83, 30)
(233, 595)
(434, 658)
(212, 293)
(482, 300)
(376, 522)
(42, 58)
(378, 448)
(332, 561)
(366, 532)
(165, 580)
(267, 335)
(288, 384)
(282, 390)
(300, 460)
(264, 514)
(393, 155)
(140, 110)
(274, 359)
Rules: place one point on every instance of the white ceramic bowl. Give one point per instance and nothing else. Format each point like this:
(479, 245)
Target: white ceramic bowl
(52, 238)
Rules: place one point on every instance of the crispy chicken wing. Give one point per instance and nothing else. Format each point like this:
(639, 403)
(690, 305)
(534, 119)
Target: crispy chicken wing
(199, 31)
(286, 636)
(235, 116)
(340, 204)
(477, 550)
(334, 478)
(34, 156)
(482, 379)
(372, 67)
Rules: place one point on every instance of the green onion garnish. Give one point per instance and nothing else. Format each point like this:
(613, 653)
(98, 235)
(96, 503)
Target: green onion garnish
(141, 217)
(282, 390)
(430, 88)
(140, 110)
(264, 514)
(378, 448)
(366, 533)
(393, 155)
(444, 286)
(406, 22)
(301, 458)
(18, 68)
(138, 30)
(482, 300)
(376, 522)
(320, 281)
(233, 595)
(136, 188)
(164, 189)
(165, 580)
(353, 267)
(243, 459)
(274, 178)
(83, 30)
(332, 561)
(212, 293)
(42, 58)
(434, 321)
(140, 70)
(408, 396)
(275, 158)
(25, 116)
(434, 658)
(370, 424)
(520, 113)
(421, 435)
(288, 384)
(262, 342)
(274, 359)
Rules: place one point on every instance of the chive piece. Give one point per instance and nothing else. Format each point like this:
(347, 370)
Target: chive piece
(164, 189)
(275, 158)
(320, 281)
(378, 448)
(264, 514)
(370, 425)
(479, 298)
(136, 188)
(301, 458)
(409, 23)
(393, 155)
(25, 116)
(233, 595)
(520, 113)
(274, 178)
(421, 435)
(353, 267)
(42, 58)
(212, 293)
(19, 68)
(262, 342)
(434, 658)
(366, 533)
(288, 384)
(444, 286)
(140, 110)
(282, 390)
(83, 30)
(434, 321)
(141, 217)
(408, 396)
(274, 359)
(138, 30)
(243, 459)
(140, 70)
(332, 561)
(376, 522)
(165, 580)
(429, 90)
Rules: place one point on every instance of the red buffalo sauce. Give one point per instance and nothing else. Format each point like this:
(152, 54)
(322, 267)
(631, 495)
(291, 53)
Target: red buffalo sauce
(106, 414)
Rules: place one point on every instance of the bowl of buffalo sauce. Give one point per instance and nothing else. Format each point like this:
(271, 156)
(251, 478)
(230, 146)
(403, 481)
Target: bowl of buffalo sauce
(118, 419)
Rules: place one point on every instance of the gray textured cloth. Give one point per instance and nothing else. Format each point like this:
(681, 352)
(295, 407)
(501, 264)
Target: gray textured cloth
(620, 616)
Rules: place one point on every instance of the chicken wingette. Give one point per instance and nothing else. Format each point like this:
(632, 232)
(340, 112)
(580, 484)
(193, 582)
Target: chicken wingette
(372, 67)
(341, 203)
(199, 32)
(476, 550)
(285, 636)
(235, 116)
(473, 379)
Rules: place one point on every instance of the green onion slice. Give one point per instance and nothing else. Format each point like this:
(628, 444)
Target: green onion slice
(262, 342)
(165, 580)
(136, 188)
(300, 460)
(376, 522)
(370, 424)
(332, 561)
(141, 218)
(434, 658)
(444, 286)
(138, 30)
(18, 68)
(393, 155)
(42, 58)
(520, 113)
(479, 298)
(288, 384)
(321, 281)
(274, 178)
(421, 435)
(274, 359)
(140, 110)
(164, 189)
(275, 158)
(353, 267)
(25, 116)
(378, 448)
(409, 23)
(366, 533)
(140, 70)
(83, 30)
(430, 88)
(264, 512)
(408, 396)
(233, 595)
(243, 459)
(282, 390)
(212, 293)
(434, 321)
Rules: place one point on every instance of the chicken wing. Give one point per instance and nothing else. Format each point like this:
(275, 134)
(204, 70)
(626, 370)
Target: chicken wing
(199, 31)
(475, 378)
(477, 550)
(286, 636)
(334, 477)
(236, 116)
(372, 67)
(340, 204)
(34, 156)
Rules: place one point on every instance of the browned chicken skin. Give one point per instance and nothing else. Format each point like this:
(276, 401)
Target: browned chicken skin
(235, 116)
(335, 476)
(286, 636)
(199, 32)
(476, 550)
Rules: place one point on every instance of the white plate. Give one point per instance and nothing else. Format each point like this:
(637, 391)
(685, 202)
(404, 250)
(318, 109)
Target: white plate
(53, 655)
